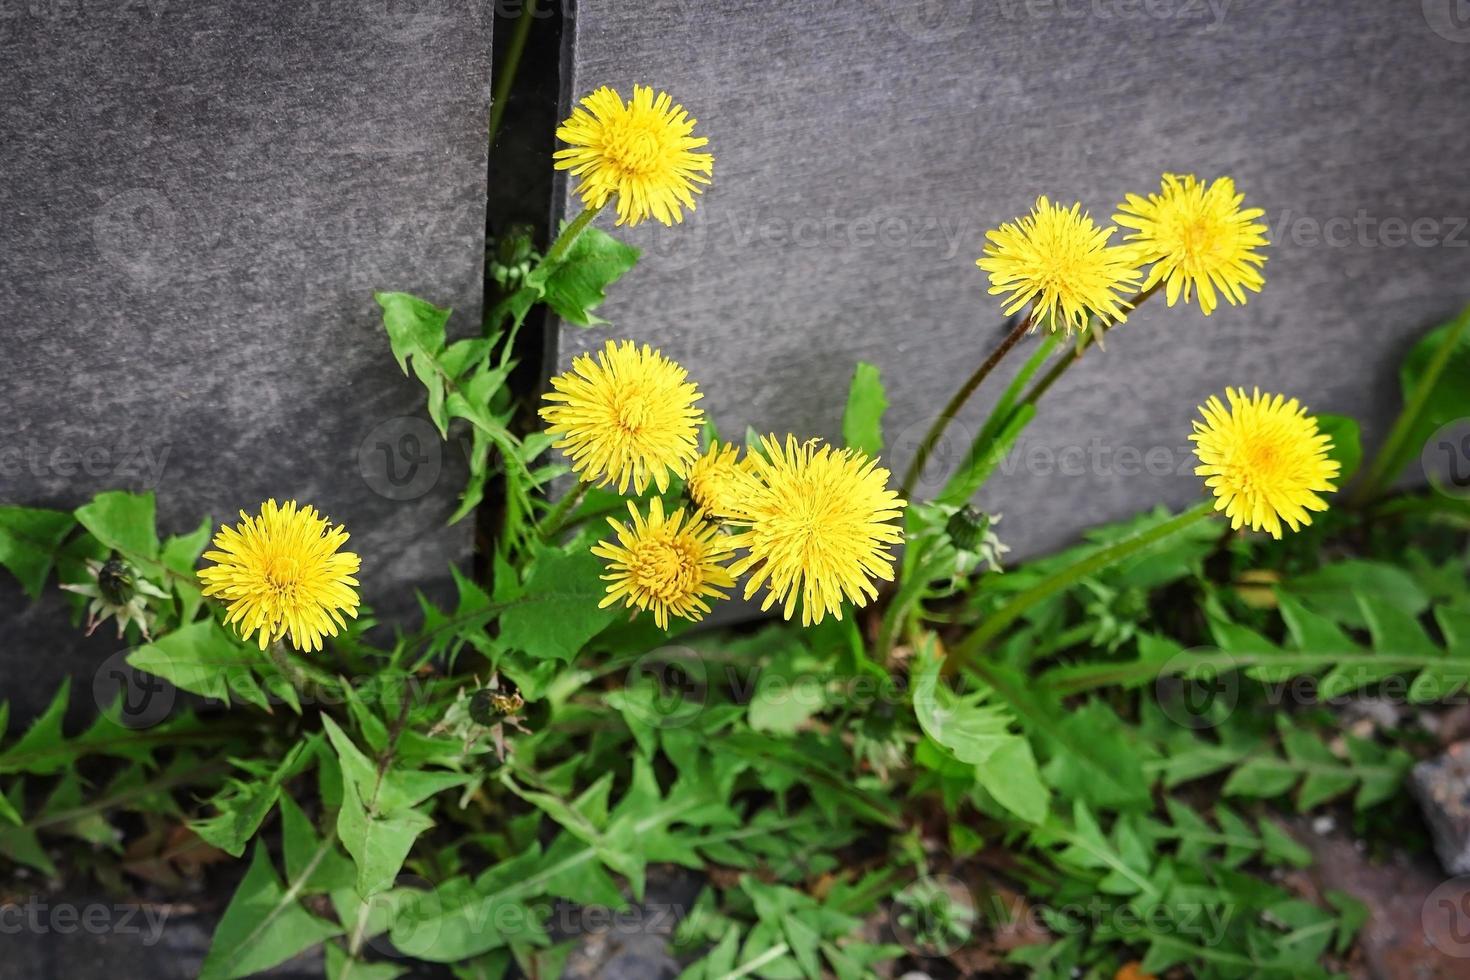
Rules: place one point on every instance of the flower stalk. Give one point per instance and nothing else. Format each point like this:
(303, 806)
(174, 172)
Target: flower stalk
(1392, 458)
(1060, 367)
(1065, 578)
(289, 669)
(556, 518)
(570, 234)
(957, 402)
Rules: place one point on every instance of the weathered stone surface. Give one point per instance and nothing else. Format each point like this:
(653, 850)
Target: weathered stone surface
(632, 943)
(65, 937)
(76, 936)
(1418, 922)
(1442, 786)
(198, 202)
(862, 149)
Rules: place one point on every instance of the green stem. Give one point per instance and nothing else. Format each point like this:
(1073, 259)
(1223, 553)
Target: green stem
(1388, 462)
(384, 765)
(1066, 577)
(1061, 641)
(294, 671)
(509, 66)
(957, 402)
(570, 234)
(556, 518)
(1060, 367)
(162, 783)
(896, 617)
(998, 433)
(355, 942)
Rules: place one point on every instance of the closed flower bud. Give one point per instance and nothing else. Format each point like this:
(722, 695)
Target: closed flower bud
(482, 707)
(117, 593)
(490, 705)
(117, 582)
(966, 528)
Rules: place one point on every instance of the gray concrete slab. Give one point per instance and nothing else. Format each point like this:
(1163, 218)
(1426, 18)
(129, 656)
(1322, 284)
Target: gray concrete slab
(197, 203)
(862, 149)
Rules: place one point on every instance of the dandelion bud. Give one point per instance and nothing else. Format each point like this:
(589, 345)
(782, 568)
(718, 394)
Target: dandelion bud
(117, 582)
(490, 705)
(966, 528)
(482, 708)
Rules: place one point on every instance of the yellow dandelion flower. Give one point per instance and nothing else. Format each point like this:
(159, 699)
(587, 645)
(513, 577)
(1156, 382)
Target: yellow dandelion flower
(815, 524)
(667, 565)
(627, 416)
(1199, 238)
(642, 151)
(1059, 260)
(716, 478)
(1264, 459)
(281, 572)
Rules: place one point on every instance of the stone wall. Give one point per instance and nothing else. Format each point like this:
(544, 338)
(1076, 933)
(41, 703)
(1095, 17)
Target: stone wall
(862, 149)
(198, 201)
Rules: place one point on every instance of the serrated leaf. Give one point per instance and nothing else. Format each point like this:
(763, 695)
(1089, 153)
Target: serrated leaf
(415, 329)
(315, 866)
(378, 823)
(1278, 844)
(979, 734)
(1333, 590)
(557, 611)
(1260, 778)
(378, 842)
(23, 846)
(1394, 631)
(337, 960)
(204, 659)
(122, 521)
(40, 739)
(1012, 777)
(180, 554)
(1434, 391)
(244, 803)
(29, 540)
(577, 285)
(970, 729)
(262, 927)
(1095, 760)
